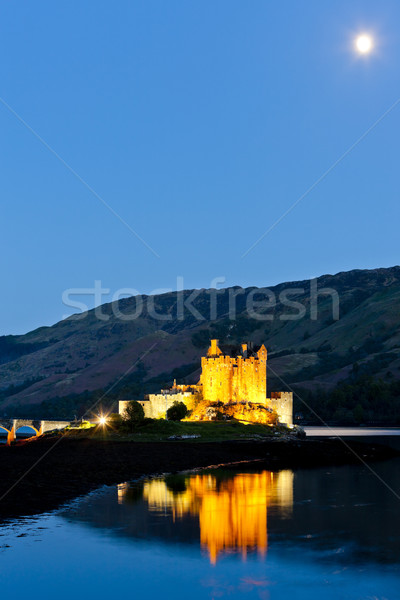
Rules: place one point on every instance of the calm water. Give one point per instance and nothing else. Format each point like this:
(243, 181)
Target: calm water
(226, 533)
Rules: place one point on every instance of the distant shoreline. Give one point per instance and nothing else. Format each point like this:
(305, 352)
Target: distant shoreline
(54, 470)
(349, 431)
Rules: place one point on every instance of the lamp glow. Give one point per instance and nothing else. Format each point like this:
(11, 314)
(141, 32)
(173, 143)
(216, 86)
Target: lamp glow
(102, 421)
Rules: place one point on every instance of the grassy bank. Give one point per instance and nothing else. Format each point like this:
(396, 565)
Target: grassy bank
(162, 430)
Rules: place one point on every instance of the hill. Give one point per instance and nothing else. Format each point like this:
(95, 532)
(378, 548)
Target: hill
(140, 344)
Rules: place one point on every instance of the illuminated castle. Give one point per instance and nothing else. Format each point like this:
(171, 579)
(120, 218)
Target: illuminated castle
(237, 380)
(234, 379)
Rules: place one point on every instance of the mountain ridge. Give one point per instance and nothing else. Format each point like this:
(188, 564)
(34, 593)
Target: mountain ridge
(87, 355)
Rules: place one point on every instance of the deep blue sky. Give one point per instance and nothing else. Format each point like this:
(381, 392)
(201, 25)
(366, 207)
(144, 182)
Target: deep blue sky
(199, 123)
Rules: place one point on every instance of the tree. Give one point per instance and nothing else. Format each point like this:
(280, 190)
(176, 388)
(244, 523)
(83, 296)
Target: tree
(358, 413)
(133, 412)
(177, 411)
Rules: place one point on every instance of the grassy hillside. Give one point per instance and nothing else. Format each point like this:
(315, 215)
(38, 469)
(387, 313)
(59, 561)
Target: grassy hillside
(60, 370)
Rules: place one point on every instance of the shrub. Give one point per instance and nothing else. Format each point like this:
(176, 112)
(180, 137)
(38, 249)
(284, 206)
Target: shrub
(115, 420)
(177, 411)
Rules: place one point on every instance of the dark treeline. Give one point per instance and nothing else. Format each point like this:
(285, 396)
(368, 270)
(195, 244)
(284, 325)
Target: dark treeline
(361, 400)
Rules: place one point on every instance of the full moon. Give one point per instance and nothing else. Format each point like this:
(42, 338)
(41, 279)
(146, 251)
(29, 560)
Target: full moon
(364, 43)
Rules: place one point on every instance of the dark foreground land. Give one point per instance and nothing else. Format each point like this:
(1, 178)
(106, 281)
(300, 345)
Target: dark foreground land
(39, 475)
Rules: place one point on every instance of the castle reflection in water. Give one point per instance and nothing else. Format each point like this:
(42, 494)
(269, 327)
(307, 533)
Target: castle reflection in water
(232, 511)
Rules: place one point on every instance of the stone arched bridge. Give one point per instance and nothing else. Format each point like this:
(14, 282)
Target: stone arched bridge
(12, 425)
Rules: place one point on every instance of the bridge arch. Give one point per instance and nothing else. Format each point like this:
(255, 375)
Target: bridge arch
(31, 427)
(9, 429)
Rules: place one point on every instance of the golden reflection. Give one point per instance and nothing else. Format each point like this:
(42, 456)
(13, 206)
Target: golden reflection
(232, 511)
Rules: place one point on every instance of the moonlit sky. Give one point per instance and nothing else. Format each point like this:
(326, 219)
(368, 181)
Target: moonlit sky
(200, 124)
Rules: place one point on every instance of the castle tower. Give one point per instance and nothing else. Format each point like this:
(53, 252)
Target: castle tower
(234, 379)
(262, 377)
(213, 349)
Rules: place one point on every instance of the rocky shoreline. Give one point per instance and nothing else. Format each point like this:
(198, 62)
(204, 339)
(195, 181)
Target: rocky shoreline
(38, 476)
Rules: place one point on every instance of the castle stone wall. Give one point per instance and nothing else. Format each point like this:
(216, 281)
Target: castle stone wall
(282, 403)
(158, 404)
